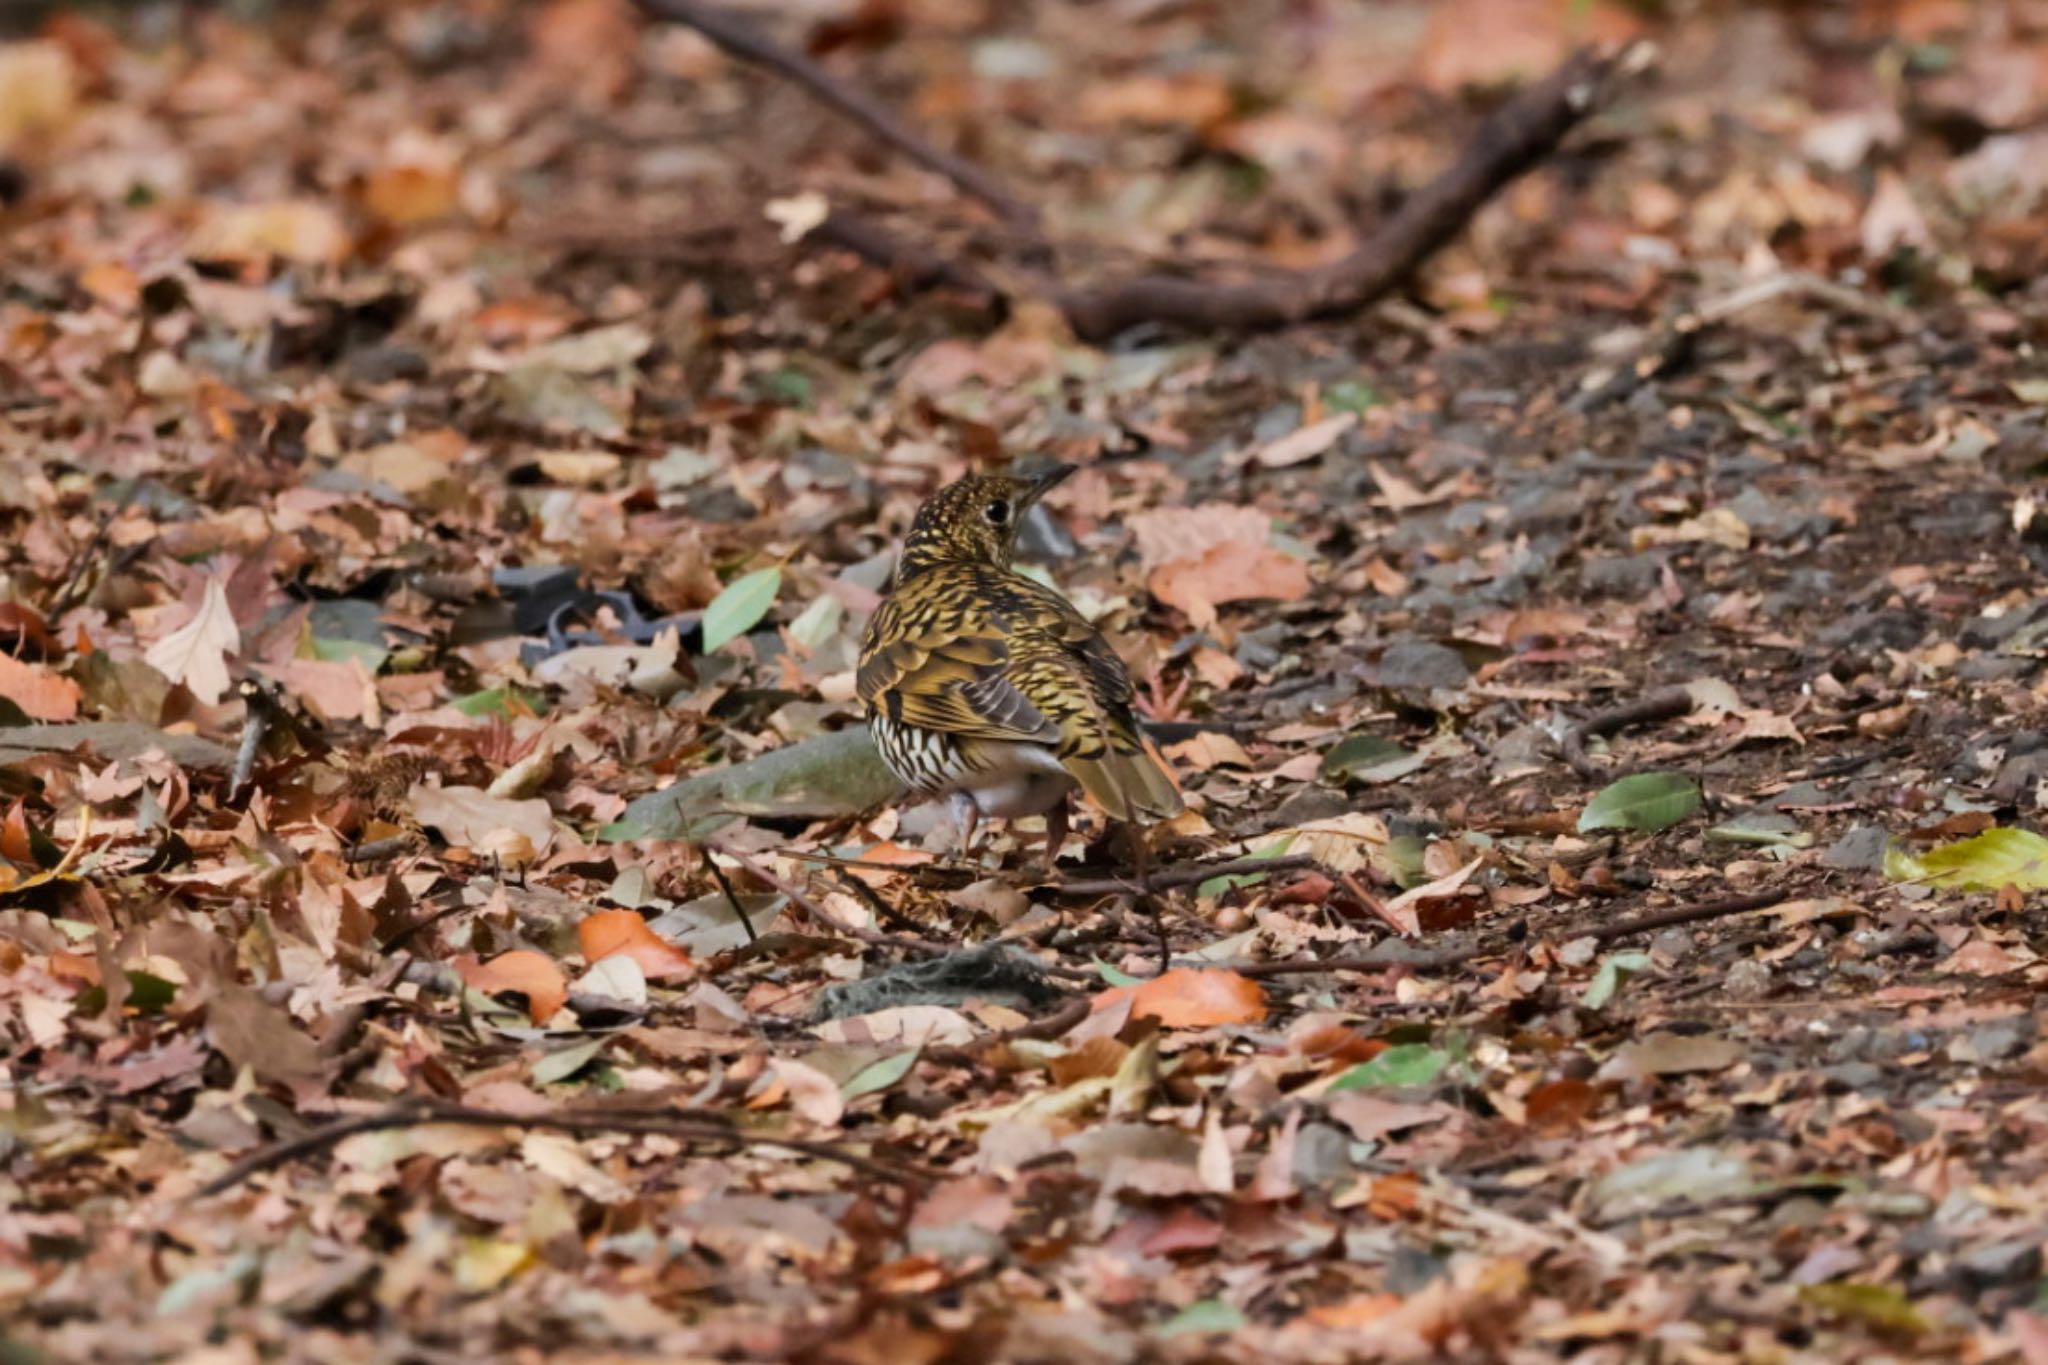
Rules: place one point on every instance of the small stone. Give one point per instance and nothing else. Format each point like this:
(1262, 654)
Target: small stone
(1860, 850)
(1748, 980)
(1310, 804)
(1675, 944)
(993, 897)
(2000, 1263)
(1995, 1041)
(1422, 664)
(1621, 576)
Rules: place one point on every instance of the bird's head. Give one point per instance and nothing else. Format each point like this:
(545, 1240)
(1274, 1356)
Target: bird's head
(975, 520)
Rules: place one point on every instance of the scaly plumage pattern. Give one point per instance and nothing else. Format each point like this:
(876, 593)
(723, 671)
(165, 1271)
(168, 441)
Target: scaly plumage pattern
(986, 687)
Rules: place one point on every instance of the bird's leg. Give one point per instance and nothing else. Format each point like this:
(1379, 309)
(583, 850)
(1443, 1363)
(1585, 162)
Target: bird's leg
(1055, 836)
(1141, 864)
(967, 817)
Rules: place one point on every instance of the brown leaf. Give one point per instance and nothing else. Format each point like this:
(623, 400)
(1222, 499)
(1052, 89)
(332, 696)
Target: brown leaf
(251, 1032)
(1233, 572)
(471, 818)
(41, 694)
(610, 932)
(1671, 1054)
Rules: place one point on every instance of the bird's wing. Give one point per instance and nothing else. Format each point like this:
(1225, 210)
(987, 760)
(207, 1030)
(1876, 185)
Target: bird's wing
(948, 674)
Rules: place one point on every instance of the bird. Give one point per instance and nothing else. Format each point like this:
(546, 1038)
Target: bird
(988, 688)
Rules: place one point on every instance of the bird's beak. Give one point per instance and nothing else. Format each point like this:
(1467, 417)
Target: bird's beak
(1046, 482)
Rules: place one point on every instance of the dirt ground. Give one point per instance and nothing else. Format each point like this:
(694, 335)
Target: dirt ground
(442, 453)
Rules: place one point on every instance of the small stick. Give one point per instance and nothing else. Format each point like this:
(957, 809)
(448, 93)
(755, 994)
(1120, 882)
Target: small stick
(824, 919)
(1186, 874)
(420, 1111)
(1051, 1026)
(1666, 704)
(1453, 957)
(259, 713)
(725, 885)
(377, 850)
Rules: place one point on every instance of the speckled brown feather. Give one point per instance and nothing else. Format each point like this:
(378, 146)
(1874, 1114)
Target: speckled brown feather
(965, 646)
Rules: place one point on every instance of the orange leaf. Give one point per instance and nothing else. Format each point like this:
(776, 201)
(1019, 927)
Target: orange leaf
(609, 933)
(1191, 997)
(1356, 1311)
(37, 691)
(14, 841)
(26, 625)
(534, 975)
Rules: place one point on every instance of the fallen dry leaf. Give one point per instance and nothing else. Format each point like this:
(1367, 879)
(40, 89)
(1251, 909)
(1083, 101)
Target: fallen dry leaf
(611, 932)
(536, 976)
(196, 654)
(41, 694)
(1191, 997)
(469, 817)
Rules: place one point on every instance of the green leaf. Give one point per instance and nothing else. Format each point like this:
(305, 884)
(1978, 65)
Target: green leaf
(1216, 886)
(341, 651)
(740, 607)
(1618, 968)
(563, 1063)
(149, 993)
(1205, 1316)
(1402, 1064)
(1352, 395)
(818, 622)
(1874, 1305)
(1647, 801)
(1995, 858)
(1767, 828)
(497, 701)
(1113, 976)
(879, 1075)
(1368, 758)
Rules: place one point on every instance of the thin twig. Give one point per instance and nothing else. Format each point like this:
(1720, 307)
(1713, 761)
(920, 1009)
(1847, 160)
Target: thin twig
(738, 38)
(1186, 874)
(420, 1111)
(824, 918)
(1454, 957)
(1686, 914)
(731, 898)
(1051, 1026)
(1665, 704)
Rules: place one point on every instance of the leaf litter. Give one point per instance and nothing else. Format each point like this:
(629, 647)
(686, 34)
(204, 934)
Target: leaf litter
(1619, 652)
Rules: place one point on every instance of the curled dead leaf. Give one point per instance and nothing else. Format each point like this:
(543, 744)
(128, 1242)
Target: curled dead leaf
(622, 932)
(534, 975)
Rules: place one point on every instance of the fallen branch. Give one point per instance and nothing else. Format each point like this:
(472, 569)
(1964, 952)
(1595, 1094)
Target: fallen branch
(1514, 139)
(1518, 136)
(915, 265)
(420, 1111)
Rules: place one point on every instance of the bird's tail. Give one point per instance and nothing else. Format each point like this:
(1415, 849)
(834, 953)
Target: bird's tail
(1128, 785)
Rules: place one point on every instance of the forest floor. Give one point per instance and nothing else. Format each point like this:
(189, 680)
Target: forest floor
(355, 1006)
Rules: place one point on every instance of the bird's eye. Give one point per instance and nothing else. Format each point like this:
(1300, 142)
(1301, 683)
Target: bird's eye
(998, 512)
